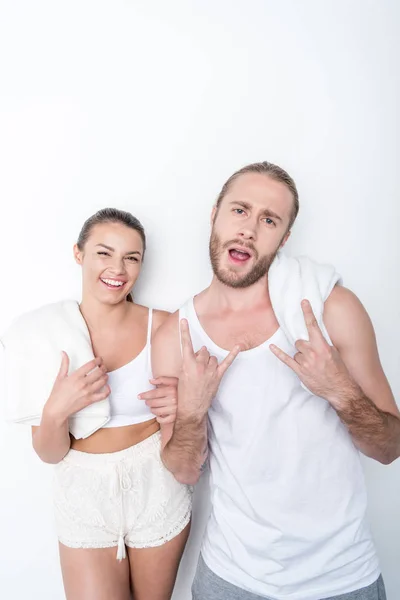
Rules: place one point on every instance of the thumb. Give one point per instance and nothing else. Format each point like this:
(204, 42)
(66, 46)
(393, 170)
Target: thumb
(63, 372)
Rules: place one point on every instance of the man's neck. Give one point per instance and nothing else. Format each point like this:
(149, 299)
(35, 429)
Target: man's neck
(226, 298)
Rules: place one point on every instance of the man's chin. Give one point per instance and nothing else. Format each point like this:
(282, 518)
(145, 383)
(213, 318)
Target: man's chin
(243, 279)
(232, 279)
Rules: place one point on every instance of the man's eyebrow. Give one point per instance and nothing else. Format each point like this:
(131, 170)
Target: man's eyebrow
(241, 203)
(266, 213)
(269, 213)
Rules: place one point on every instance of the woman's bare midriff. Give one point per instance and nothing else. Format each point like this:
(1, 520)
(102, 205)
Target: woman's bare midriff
(114, 439)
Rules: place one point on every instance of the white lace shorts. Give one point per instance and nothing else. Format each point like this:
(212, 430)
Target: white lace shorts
(117, 499)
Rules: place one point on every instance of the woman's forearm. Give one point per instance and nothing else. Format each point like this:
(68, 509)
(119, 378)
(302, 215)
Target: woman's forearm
(51, 441)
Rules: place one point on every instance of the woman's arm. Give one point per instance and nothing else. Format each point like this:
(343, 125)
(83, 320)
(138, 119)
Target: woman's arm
(51, 441)
(71, 393)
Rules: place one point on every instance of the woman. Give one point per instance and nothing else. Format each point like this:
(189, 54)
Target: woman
(113, 495)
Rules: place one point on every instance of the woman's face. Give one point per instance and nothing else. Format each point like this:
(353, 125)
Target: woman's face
(111, 261)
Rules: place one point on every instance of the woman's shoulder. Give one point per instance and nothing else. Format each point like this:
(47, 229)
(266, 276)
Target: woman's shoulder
(159, 316)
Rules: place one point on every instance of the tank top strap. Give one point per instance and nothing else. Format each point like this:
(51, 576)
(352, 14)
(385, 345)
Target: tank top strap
(149, 330)
(149, 326)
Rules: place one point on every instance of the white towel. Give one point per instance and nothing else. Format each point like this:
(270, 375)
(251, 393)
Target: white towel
(291, 280)
(33, 343)
(32, 358)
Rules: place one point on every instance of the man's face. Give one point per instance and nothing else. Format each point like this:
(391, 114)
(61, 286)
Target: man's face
(249, 227)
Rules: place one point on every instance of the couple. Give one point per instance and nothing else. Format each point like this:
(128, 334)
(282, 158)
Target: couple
(283, 422)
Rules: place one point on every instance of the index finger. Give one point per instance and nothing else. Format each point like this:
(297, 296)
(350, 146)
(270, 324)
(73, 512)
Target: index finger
(228, 360)
(313, 328)
(164, 380)
(89, 366)
(186, 340)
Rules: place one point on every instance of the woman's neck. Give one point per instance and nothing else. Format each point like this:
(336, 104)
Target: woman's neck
(103, 316)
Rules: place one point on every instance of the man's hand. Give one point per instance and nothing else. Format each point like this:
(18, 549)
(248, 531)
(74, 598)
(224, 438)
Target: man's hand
(200, 376)
(317, 364)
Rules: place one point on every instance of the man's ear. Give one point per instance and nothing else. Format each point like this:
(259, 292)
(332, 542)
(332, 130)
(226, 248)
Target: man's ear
(78, 255)
(285, 239)
(213, 215)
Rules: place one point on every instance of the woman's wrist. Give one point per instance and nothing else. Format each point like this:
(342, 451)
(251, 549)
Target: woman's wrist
(53, 416)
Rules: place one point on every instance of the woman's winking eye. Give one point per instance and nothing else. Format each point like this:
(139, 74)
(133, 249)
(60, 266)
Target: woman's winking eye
(130, 258)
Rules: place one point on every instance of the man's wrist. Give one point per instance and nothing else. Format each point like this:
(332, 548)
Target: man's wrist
(190, 418)
(342, 399)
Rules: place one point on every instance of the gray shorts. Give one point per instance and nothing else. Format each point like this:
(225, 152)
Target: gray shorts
(208, 586)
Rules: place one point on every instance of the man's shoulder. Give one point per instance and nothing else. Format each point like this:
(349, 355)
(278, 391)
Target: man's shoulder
(168, 330)
(345, 315)
(166, 351)
(342, 300)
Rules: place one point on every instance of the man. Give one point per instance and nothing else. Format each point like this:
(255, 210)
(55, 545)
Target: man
(287, 488)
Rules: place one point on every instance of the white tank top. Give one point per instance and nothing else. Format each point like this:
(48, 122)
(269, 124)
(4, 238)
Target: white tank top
(287, 488)
(129, 381)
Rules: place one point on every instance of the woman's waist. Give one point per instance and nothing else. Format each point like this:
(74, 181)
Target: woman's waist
(115, 439)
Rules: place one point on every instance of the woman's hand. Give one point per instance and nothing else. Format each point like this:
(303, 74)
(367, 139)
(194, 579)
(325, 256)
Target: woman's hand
(162, 401)
(72, 393)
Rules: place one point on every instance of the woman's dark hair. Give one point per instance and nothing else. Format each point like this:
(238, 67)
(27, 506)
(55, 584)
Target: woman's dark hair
(111, 215)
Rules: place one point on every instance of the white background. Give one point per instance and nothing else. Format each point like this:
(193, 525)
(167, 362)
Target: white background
(149, 106)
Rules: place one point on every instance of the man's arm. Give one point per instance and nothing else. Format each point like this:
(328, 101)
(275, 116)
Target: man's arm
(349, 374)
(199, 375)
(367, 407)
(184, 442)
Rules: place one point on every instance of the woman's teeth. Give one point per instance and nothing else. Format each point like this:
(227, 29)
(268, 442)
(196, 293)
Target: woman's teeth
(113, 283)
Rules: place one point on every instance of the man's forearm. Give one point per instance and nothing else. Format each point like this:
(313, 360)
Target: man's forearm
(375, 432)
(186, 452)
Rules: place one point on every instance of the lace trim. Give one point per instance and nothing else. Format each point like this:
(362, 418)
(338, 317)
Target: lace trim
(176, 530)
(91, 545)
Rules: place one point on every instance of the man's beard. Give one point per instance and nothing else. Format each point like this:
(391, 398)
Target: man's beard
(229, 277)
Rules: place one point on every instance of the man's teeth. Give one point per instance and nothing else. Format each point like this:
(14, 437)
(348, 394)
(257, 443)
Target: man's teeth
(114, 283)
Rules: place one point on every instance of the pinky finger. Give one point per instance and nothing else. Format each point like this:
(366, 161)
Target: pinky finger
(98, 396)
(164, 420)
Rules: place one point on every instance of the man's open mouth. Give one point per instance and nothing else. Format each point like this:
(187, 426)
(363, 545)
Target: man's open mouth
(239, 255)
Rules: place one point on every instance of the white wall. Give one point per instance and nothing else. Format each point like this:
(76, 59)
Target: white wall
(149, 106)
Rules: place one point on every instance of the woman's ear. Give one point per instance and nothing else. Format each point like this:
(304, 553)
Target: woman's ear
(78, 255)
